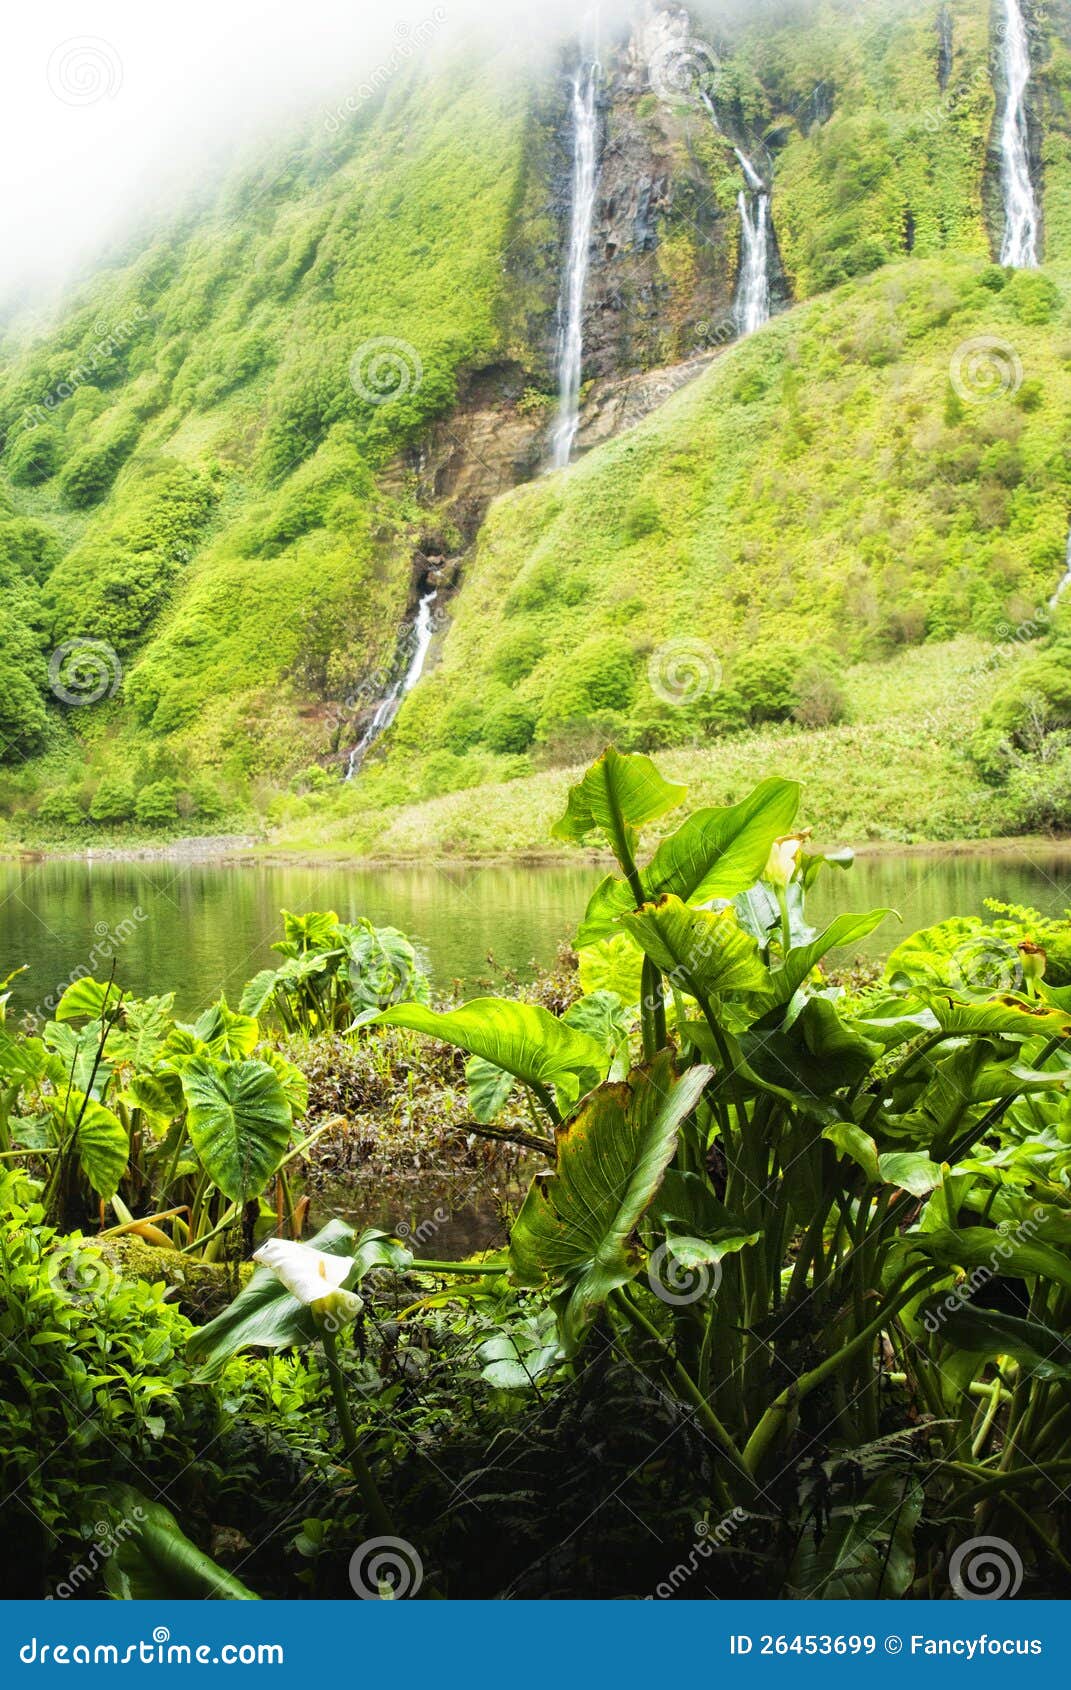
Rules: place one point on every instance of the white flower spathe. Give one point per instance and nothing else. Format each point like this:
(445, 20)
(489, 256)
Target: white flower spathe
(308, 1274)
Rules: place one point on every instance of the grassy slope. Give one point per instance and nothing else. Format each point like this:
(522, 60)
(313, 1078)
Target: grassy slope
(821, 486)
(818, 490)
(241, 558)
(909, 776)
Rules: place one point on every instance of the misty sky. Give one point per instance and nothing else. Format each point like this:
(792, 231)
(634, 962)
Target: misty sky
(105, 103)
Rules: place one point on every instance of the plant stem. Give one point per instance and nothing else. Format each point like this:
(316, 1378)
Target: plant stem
(366, 1484)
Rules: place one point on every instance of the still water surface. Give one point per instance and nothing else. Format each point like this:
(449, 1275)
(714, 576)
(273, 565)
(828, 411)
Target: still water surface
(199, 928)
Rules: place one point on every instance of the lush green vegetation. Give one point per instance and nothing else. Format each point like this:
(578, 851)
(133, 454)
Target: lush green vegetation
(806, 1245)
(204, 464)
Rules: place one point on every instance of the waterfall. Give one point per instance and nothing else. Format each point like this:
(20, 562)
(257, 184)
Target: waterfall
(751, 307)
(1019, 247)
(416, 641)
(571, 301)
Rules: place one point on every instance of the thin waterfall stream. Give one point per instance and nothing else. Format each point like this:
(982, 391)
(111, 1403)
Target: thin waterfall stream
(751, 307)
(571, 301)
(418, 637)
(1019, 247)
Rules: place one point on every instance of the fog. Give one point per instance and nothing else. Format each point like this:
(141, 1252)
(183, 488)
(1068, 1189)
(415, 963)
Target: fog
(109, 107)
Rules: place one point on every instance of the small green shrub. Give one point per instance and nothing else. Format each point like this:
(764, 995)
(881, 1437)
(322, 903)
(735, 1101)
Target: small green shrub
(157, 803)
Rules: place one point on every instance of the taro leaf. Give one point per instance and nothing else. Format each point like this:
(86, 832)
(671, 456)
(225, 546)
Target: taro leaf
(77, 1051)
(264, 1315)
(294, 1083)
(226, 1032)
(316, 930)
(704, 951)
(716, 853)
(576, 1225)
(260, 992)
(523, 1038)
(1044, 1352)
(613, 965)
(850, 1140)
(489, 1088)
(818, 1054)
(699, 1229)
(86, 998)
(998, 1016)
(910, 1170)
(155, 1560)
(813, 862)
(101, 1139)
(239, 1122)
(1000, 1253)
(382, 967)
(845, 930)
(618, 795)
(23, 1060)
(602, 1014)
(156, 1094)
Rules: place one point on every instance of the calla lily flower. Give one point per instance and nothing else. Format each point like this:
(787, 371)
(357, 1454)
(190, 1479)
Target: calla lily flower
(784, 858)
(313, 1277)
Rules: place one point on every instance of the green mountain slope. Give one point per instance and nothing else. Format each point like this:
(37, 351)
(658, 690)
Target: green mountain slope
(228, 465)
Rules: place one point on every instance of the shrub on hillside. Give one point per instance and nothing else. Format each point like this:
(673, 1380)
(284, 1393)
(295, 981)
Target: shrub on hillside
(23, 721)
(113, 800)
(33, 456)
(157, 803)
(62, 808)
(509, 728)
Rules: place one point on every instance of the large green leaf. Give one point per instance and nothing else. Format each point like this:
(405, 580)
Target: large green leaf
(155, 1560)
(576, 1225)
(1000, 1015)
(100, 1137)
(618, 795)
(265, 1316)
(86, 998)
(226, 1032)
(523, 1038)
(989, 1332)
(717, 853)
(705, 951)
(1001, 1253)
(816, 1055)
(845, 930)
(239, 1122)
(699, 1229)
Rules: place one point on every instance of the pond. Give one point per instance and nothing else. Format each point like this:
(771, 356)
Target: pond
(197, 928)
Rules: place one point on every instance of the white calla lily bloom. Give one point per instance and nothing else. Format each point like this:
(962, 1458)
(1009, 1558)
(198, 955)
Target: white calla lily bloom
(784, 857)
(312, 1277)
